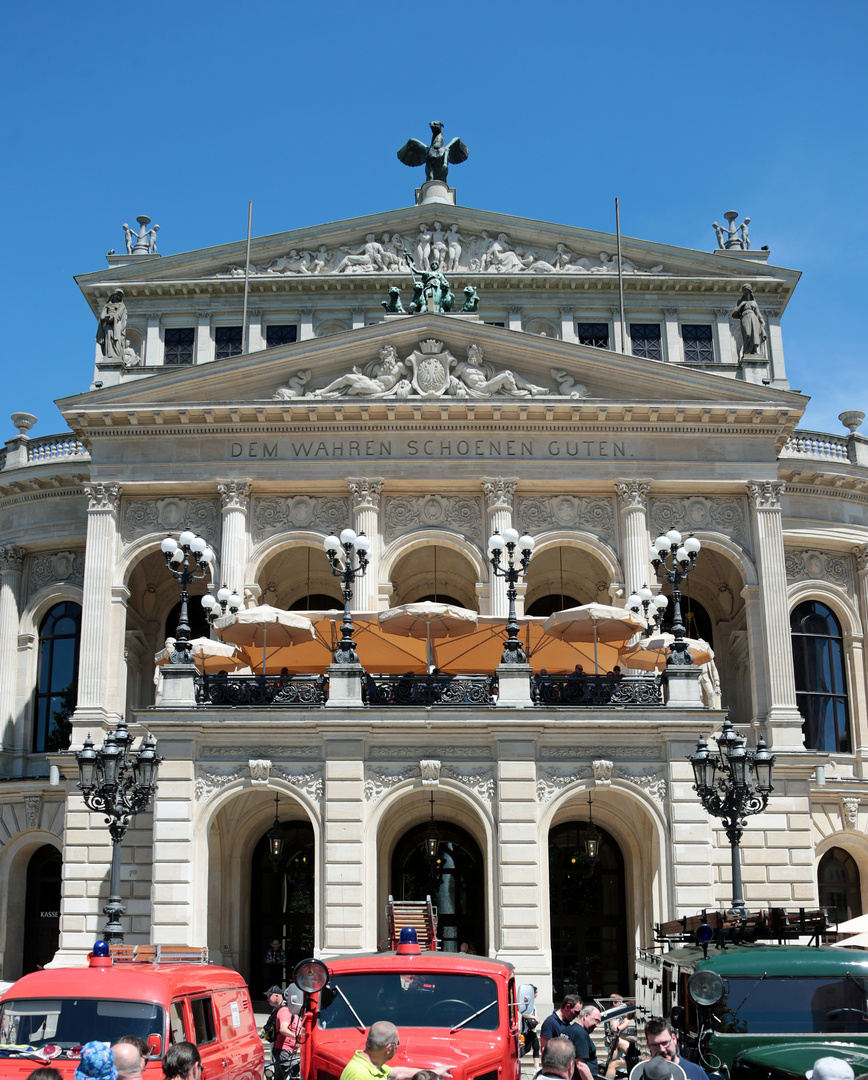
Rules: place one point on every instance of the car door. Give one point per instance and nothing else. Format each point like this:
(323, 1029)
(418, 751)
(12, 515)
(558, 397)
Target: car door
(215, 1063)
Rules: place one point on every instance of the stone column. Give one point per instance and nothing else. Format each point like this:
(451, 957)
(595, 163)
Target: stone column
(513, 317)
(774, 347)
(759, 702)
(204, 351)
(96, 655)
(633, 497)
(235, 498)
(860, 716)
(305, 329)
(366, 519)
(783, 718)
(499, 498)
(568, 324)
(11, 565)
(255, 342)
(153, 344)
(674, 353)
(723, 336)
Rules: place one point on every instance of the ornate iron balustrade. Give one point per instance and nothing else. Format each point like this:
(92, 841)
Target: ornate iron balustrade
(302, 691)
(590, 691)
(428, 690)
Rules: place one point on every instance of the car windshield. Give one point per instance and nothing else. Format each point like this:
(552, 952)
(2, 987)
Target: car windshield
(770, 1005)
(71, 1022)
(410, 1000)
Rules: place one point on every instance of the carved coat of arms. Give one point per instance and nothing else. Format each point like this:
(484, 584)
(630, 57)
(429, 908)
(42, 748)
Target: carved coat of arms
(431, 365)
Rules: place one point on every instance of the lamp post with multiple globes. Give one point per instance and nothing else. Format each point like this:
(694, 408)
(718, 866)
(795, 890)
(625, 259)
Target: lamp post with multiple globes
(673, 557)
(501, 555)
(352, 564)
(188, 559)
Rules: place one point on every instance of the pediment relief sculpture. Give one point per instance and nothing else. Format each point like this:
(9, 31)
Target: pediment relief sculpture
(430, 371)
(474, 253)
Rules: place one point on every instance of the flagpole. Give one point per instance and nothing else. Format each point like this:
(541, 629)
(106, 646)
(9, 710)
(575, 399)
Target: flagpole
(245, 330)
(620, 278)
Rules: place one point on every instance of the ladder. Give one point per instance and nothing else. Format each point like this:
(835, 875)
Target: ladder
(421, 915)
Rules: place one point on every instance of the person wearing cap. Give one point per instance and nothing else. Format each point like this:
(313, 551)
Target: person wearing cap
(662, 1042)
(286, 1029)
(96, 1063)
(275, 961)
(830, 1068)
(381, 1045)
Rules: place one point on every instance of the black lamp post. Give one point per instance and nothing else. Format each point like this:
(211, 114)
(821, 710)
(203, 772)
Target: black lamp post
(497, 544)
(643, 600)
(215, 607)
(188, 558)
(740, 788)
(119, 784)
(343, 568)
(673, 560)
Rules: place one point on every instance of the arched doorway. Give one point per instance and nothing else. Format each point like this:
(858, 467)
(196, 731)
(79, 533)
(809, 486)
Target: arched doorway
(282, 903)
(839, 885)
(41, 908)
(458, 888)
(588, 913)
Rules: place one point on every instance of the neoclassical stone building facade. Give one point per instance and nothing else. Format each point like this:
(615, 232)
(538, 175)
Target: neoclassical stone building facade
(547, 409)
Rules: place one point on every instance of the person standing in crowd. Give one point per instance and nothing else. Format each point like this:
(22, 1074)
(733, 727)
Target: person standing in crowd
(128, 1060)
(96, 1063)
(560, 1021)
(529, 1025)
(275, 961)
(663, 1042)
(619, 1046)
(282, 1028)
(586, 1051)
(380, 1046)
(182, 1062)
(558, 1059)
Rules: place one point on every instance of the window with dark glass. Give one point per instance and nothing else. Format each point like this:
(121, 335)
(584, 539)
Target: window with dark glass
(593, 333)
(280, 334)
(227, 342)
(698, 346)
(821, 689)
(645, 340)
(57, 678)
(839, 885)
(178, 345)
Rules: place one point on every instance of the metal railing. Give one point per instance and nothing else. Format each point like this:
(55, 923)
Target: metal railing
(816, 445)
(428, 690)
(592, 691)
(301, 691)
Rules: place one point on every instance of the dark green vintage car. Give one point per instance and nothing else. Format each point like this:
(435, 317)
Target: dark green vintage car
(761, 1011)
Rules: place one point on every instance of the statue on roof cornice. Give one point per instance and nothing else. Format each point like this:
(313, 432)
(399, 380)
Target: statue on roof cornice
(437, 157)
(753, 331)
(112, 324)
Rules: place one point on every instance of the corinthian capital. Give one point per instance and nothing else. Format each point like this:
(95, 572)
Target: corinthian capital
(766, 494)
(11, 559)
(102, 497)
(860, 553)
(234, 494)
(499, 492)
(633, 494)
(365, 492)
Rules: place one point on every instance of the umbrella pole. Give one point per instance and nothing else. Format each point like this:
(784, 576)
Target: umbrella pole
(596, 665)
(264, 643)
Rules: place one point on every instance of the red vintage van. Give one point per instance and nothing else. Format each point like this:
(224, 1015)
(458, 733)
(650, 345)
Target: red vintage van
(451, 1009)
(162, 994)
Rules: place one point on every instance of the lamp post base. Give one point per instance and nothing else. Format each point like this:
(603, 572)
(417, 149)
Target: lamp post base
(345, 686)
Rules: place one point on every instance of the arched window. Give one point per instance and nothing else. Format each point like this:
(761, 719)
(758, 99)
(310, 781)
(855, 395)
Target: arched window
(821, 689)
(839, 886)
(57, 684)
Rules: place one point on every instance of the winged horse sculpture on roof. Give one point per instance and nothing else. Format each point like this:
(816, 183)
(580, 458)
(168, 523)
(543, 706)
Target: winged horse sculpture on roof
(437, 157)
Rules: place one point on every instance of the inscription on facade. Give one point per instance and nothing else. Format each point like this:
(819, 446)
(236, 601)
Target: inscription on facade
(443, 446)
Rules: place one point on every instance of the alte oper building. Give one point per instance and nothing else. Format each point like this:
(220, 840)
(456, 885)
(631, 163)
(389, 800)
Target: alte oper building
(428, 406)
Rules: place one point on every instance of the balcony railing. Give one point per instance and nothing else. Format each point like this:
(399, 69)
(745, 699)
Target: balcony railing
(816, 445)
(424, 691)
(592, 691)
(52, 447)
(303, 691)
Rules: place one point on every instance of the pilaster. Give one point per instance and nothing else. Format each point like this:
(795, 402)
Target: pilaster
(783, 717)
(345, 862)
(616, 337)
(366, 519)
(255, 342)
(358, 314)
(153, 344)
(723, 335)
(513, 314)
(674, 353)
(860, 672)
(11, 565)
(755, 650)
(775, 347)
(633, 500)
(499, 499)
(204, 352)
(305, 326)
(568, 324)
(97, 654)
(235, 501)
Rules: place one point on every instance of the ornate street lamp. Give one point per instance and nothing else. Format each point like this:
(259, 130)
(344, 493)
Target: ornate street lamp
(188, 558)
(643, 600)
(120, 784)
(673, 560)
(343, 568)
(215, 607)
(732, 784)
(497, 544)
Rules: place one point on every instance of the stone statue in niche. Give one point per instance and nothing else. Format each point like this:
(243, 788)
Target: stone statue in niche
(376, 380)
(112, 324)
(131, 357)
(437, 157)
(753, 332)
(480, 380)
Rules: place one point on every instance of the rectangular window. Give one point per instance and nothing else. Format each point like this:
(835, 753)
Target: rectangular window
(593, 333)
(203, 1020)
(227, 342)
(178, 345)
(645, 340)
(698, 346)
(280, 334)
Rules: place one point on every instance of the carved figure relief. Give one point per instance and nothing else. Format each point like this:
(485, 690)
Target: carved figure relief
(479, 781)
(567, 385)
(602, 772)
(594, 515)
(49, 567)
(850, 815)
(379, 781)
(271, 515)
(727, 516)
(260, 768)
(430, 770)
(406, 513)
(819, 566)
(32, 806)
(142, 516)
(310, 783)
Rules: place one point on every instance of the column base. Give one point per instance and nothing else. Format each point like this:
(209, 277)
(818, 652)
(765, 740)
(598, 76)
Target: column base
(513, 686)
(784, 726)
(345, 686)
(179, 686)
(681, 687)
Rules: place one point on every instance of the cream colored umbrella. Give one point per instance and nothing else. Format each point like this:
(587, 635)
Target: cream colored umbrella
(265, 626)
(594, 622)
(860, 941)
(651, 653)
(426, 620)
(209, 656)
(859, 925)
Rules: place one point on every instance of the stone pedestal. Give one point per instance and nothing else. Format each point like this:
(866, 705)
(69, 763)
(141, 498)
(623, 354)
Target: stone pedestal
(179, 686)
(513, 682)
(435, 191)
(345, 686)
(754, 369)
(681, 687)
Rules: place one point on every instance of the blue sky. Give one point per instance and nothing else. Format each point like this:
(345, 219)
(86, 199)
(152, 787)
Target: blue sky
(186, 111)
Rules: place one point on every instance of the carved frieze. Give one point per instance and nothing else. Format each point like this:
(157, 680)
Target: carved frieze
(139, 517)
(407, 513)
(651, 782)
(379, 781)
(480, 781)
(276, 753)
(55, 566)
(819, 566)
(727, 516)
(279, 514)
(409, 753)
(310, 782)
(209, 783)
(551, 781)
(619, 753)
(594, 515)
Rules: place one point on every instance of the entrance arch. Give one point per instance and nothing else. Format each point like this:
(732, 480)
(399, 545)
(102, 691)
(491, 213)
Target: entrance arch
(41, 908)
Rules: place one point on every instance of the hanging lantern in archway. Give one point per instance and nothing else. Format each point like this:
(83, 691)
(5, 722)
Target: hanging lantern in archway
(592, 837)
(275, 836)
(432, 845)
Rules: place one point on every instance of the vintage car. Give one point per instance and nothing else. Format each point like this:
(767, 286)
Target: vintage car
(162, 995)
(451, 1009)
(757, 1010)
